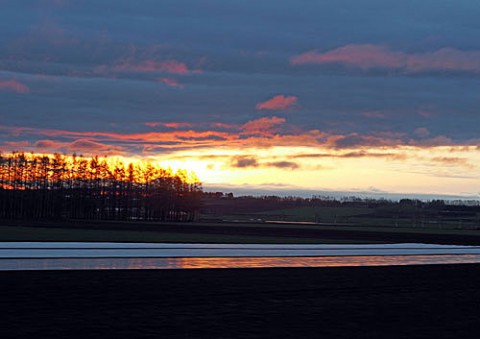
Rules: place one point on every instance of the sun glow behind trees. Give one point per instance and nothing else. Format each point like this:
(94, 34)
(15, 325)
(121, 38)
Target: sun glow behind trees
(47, 186)
(436, 170)
(395, 169)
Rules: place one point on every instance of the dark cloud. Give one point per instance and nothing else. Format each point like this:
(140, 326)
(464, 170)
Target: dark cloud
(356, 140)
(244, 161)
(284, 164)
(356, 154)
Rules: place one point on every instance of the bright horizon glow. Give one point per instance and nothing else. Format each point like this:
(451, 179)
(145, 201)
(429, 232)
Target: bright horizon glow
(445, 170)
(410, 170)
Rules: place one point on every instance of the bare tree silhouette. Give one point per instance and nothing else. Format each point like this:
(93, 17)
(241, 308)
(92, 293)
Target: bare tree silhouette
(59, 186)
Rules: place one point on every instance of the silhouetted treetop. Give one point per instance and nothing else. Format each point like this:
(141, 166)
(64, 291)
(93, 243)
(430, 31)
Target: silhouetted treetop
(59, 186)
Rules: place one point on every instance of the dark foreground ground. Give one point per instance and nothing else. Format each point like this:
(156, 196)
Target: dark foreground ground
(210, 232)
(368, 302)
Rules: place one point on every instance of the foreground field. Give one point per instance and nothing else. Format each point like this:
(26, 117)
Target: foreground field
(118, 231)
(365, 302)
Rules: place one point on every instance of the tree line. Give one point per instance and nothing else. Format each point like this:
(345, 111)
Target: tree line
(57, 186)
(228, 203)
(458, 212)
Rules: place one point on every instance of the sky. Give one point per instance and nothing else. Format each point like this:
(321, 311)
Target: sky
(376, 96)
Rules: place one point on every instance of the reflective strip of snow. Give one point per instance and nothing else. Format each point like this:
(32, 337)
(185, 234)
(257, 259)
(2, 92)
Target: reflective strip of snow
(142, 250)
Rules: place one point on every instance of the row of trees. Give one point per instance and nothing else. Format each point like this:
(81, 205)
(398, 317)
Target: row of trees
(59, 186)
(459, 212)
(248, 204)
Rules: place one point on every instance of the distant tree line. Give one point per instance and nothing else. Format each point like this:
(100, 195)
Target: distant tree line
(228, 203)
(437, 210)
(57, 186)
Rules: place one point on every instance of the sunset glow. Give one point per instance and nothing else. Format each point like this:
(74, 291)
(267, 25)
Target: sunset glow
(400, 169)
(310, 99)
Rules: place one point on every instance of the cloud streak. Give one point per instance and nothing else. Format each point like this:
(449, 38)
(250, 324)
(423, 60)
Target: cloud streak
(262, 126)
(278, 102)
(174, 125)
(171, 82)
(284, 165)
(370, 57)
(153, 66)
(13, 85)
(266, 132)
(244, 162)
(77, 146)
(247, 161)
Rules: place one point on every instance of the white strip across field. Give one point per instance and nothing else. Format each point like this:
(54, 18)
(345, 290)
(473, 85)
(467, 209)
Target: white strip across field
(9, 250)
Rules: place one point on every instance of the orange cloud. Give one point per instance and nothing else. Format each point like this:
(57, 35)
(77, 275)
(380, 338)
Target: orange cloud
(262, 125)
(171, 82)
(223, 125)
(278, 102)
(177, 125)
(153, 124)
(14, 85)
(260, 133)
(363, 56)
(171, 139)
(367, 56)
(79, 145)
(85, 145)
(256, 133)
(48, 144)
